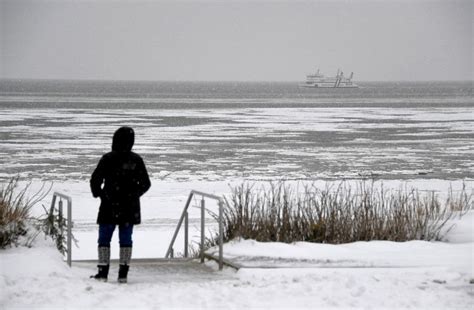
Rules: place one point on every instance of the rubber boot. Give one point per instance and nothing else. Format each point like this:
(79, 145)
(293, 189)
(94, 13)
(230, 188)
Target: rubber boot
(125, 257)
(102, 274)
(104, 264)
(123, 272)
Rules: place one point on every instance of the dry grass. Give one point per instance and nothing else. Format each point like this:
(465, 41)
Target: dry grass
(15, 209)
(338, 214)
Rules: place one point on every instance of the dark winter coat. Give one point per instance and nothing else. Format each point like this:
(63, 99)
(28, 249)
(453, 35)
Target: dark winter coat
(119, 180)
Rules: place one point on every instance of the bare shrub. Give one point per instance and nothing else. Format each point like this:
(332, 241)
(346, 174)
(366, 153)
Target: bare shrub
(339, 213)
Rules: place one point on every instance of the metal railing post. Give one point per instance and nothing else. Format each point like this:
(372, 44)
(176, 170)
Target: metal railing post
(221, 237)
(202, 228)
(53, 202)
(60, 219)
(170, 248)
(60, 210)
(186, 223)
(69, 232)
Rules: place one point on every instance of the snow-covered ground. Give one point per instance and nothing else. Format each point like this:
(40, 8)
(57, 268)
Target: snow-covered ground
(368, 275)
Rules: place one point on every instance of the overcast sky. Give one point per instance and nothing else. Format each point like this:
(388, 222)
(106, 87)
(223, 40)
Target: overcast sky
(236, 40)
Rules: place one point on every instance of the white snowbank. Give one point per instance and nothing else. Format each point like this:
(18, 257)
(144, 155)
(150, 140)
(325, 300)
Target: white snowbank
(461, 231)
(357, 254)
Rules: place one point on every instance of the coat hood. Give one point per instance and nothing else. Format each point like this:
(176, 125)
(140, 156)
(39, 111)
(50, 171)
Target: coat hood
(123, 139)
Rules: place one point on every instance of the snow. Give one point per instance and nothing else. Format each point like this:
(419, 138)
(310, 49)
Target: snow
(368, 275)
(417, 274)
(461, 231)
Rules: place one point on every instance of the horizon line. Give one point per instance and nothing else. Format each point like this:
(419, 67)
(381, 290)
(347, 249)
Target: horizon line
(208, 81)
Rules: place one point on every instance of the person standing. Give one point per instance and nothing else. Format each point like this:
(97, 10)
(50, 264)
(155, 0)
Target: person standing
(120, 179)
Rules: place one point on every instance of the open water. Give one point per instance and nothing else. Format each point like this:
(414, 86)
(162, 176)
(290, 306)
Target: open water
(54, 130)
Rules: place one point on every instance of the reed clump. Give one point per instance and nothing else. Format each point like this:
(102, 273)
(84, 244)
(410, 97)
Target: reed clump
(15, 207)
(339, 213)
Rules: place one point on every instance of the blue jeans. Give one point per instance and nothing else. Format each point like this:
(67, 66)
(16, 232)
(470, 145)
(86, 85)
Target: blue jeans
(107, 230)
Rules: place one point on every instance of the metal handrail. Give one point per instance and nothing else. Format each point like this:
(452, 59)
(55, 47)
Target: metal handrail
(69, 221)
(184, 217)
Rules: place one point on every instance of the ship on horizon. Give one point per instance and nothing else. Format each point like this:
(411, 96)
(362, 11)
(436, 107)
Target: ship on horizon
(318, 80)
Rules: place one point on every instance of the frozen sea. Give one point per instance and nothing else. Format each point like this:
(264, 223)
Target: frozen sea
(206, 135)
(215, 131)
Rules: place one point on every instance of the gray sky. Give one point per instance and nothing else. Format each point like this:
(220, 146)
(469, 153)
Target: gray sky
(235, 40)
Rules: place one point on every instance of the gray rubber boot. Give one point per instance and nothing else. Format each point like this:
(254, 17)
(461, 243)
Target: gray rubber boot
(103, 264)
(125, 258)
(102, 274)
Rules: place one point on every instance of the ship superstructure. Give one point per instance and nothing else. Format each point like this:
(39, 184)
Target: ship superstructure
(318, 80)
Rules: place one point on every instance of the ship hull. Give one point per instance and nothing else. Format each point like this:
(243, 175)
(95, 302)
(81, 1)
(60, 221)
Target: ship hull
(318, 80)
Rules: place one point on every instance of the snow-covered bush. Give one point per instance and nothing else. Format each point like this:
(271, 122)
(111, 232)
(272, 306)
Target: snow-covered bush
(18, 226)
(15, 207)
(17, 223)
(338, 214)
